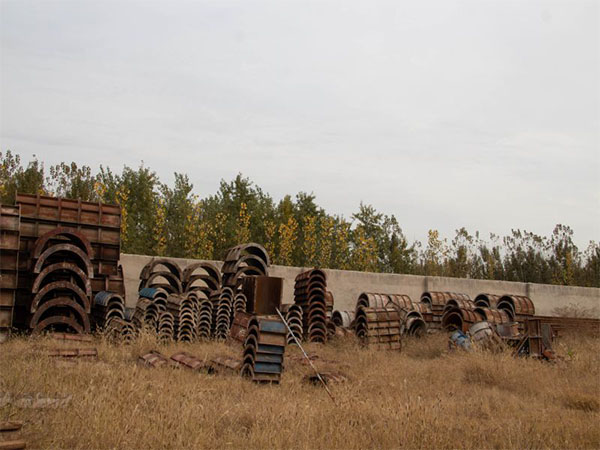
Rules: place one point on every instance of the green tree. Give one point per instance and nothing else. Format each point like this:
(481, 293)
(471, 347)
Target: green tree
(14, 178)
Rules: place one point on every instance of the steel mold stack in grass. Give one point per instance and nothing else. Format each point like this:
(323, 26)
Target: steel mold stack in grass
(244, 260)
(166, 326)
(379, 328)
(162, 273)
(264, 347)
(201, 277)
(293, 316)
(436, 302)
(309, 293)
(106, 306)
(119, 330)
(188, 319)
(61, 290)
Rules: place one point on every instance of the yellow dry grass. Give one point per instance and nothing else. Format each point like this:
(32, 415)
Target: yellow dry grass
(424, 397)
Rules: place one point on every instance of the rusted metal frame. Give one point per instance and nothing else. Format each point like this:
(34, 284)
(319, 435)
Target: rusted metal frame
(58, 302)
(71, 250)
(71, 234)
(62, 266)
(61, 285)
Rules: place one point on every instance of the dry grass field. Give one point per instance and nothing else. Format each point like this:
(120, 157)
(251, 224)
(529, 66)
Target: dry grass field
(424, 397)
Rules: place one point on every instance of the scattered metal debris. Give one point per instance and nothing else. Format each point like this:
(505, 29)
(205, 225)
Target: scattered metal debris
(154, 359)
(378, 327)
(74, 352)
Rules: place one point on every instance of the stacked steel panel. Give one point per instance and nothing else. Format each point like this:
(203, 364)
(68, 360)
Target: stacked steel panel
(222, 307)
(244, 260)
(264, 347)
(166, 326)
(487, 300)
(201, 277)
(106, 306)
(414, 316)
(98, 223)
(162, 273)
(520, 308)
(9, 265)
(61, 289)
(436, 302)
(205, 316)
(309, 293)
(293, 316)
(379, 327)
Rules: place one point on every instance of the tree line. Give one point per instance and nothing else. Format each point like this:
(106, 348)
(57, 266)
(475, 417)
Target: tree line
(158, 219)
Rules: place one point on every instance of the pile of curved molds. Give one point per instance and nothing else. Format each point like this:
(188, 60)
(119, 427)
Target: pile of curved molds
(309, 293)
(121, 330)
(457, 318)
(61, 289)
(293, 317)
(146, 314)
(222, 309)
(239, 304)
(436, 302)
(518, 307)
(378, 300)
(205, 318)
(487, 301)
(106, 306)
(264, 347)
(187, 327)
(493, 316)
(244, 260)
(413, 319)
(378, 327)
(344, 319)
(162, 273)
(201, 276)
(166, 327)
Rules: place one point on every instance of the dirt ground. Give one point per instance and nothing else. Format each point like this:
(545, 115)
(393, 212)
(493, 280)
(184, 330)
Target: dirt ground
(423, 397)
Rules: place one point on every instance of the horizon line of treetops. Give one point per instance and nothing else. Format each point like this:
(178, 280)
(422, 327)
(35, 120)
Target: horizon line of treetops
(158, 219)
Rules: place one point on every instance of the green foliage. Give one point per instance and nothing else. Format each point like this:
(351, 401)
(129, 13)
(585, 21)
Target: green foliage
(158, 219)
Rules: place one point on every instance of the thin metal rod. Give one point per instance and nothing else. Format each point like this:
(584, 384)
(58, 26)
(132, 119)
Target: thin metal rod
(306, 356)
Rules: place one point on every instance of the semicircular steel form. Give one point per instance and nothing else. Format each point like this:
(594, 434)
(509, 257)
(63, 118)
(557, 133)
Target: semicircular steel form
(62, 266)
(74, 236)
(81, 326)
(70, 248)
(61, 285)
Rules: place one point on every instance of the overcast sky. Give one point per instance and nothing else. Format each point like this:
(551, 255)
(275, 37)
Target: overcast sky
(483, 114)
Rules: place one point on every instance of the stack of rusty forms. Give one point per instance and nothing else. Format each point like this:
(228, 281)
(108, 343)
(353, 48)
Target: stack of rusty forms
(107, 306)
(222, 311)
(93, 228)
(414, 317)
(263, 339)
(310, 290)
(202, 278)
(184, 310)
(162, 273)
(244, 260)
(436, 303)
(61, 290)
(343, 319)
(519, 308)
(536, 340)
(9, 265)
(565, 324)
(379, 327)
(293, 317)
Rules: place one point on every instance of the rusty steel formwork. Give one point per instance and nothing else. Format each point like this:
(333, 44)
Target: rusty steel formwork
(60, 219)
(222, 310)
(61, 291)
(456, 318)
(242, 261)
(561, 325)
(343, 319)
(120, 330)
(185, 359)
(436, 301)
(9, 265)
(520, 308)
(493, 316)
(263, 294)
(379, 327)
(154, 359)
(201, 276)
(106, 305)
(188, 319)
(205, 317)
(309, 293)
(162, 273)
(379, 300)
(487, 300)
(264, 347)
(293, 317)
(166, 327)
